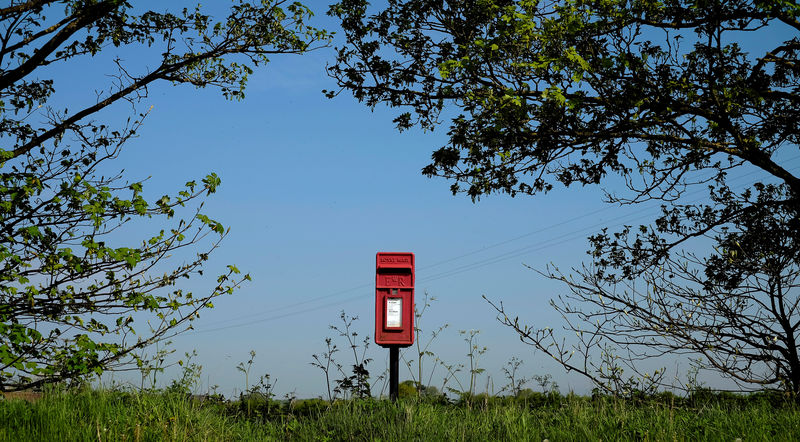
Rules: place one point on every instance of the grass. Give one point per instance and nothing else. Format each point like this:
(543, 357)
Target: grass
(119, 416)
(96, 415)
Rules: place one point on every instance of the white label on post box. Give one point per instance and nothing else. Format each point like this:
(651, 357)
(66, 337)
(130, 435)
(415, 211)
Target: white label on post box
(394, 315)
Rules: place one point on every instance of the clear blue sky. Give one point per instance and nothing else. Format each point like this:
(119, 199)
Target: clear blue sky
(312, 188)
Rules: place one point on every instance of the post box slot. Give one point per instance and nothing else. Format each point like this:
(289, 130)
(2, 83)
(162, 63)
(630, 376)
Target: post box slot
(394, 271)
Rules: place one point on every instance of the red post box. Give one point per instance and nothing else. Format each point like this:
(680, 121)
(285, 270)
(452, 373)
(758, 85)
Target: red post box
(394, 299)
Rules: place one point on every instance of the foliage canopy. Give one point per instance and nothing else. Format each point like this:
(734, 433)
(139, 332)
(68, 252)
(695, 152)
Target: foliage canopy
(72, 282)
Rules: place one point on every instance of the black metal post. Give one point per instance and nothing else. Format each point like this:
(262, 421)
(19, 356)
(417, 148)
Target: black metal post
(394, 372)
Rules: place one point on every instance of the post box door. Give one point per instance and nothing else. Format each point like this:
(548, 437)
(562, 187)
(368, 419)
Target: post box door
(394, 299)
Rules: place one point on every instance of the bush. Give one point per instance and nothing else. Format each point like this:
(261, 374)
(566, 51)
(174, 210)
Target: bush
(308, 407)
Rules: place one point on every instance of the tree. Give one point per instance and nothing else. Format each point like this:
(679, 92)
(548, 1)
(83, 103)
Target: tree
(670, 96)
(74, 282)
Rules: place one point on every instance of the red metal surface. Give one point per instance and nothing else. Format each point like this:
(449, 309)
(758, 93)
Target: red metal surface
(394, 284)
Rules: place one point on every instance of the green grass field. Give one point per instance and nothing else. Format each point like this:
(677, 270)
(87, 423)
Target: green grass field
(95, 415)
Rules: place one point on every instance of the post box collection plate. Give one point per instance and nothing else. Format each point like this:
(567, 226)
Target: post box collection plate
(394, 312)
(394, 299)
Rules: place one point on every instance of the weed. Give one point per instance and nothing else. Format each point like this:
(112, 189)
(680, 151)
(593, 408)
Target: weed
(356, 384)
(190, 375)
(150, 366)
(324, 361)
(515, 383)
(423, 351)
(474, 354)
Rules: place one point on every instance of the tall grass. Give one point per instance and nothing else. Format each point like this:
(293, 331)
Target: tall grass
(573, 418)
(93, 415)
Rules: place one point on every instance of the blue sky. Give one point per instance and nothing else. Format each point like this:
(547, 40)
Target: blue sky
(312, 188)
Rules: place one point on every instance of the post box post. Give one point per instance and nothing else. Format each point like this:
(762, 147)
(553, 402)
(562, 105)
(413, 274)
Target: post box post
(394, 372)
(394, 308)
